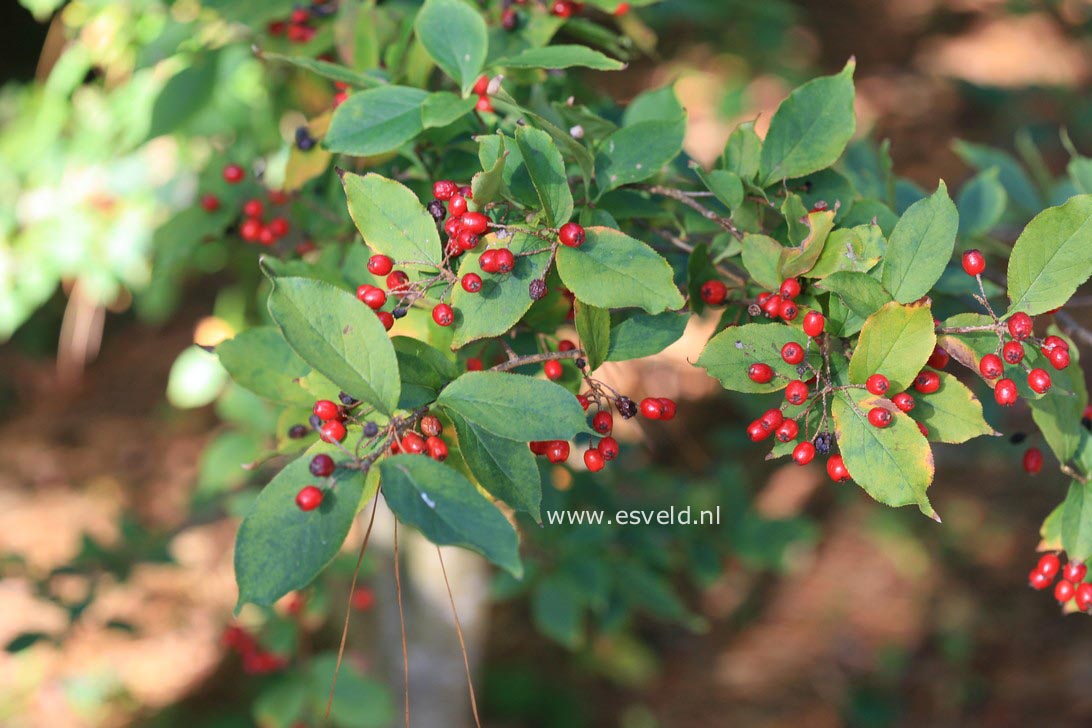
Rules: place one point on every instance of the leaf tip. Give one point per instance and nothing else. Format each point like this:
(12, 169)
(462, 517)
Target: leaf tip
(340, 173)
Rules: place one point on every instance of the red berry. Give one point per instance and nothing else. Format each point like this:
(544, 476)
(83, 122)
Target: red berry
(322, 465)
(877, 384)
(803, 453)
(487, 261)
(466, 192)
(443, 314)
(836, 469)
(772, 306)
(266, 236)
(1039, 380)
(796, 392)
(474, 364)
(210, 202)
(1038, 580)
(467, 240)
(481, 85)
(757, 431)
(668, 412)
(814, 323)
(788, 310)
(939, 358)
(927, 382)
(309, 498)
(879, 417)
(562, 8)
(253, 208)
(483, 104)
(538, 447)
(386, 319)
(922, 429)
(792, 353)
(713, 292)
(505, 260)
(453, 227)
(472, 283)
(326, 410)
(974, 262)
(1064, 591)
(374, 297)
(233, 174)
(557, 451)
(278, 226)
(760, 373)
(608, 447)
(362, 598)
(1005, 392)
(444, 189)
(790, 288)
(250, 230)
(437, 448)
(584, 401)
(787, 431)
(413, 443)
(397, 281)
(1020, 326)
(565, 345)
(1074, 571)
(332, 431)
(621, 9)
(1048, 565)
(1012, 352)
(772, 418)
(1059, 358)
(991, 366)
(457, 206)
(652, 408)
(903, 401)
(571, 234)
(553, 370)
(602, 422)
(1052, 342)
(594, 460)
(380, 265)
(1083, 597)
(278, 197)
(475, 222)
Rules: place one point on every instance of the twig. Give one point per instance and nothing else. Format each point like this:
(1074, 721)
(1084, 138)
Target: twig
(1075, 329)
(537, 359)
(967, 329)
(688, 248)
(684, 198)
(462, 644)
(401, 619)
(1074, 474)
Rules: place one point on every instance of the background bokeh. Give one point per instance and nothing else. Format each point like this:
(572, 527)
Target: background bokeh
(810, 606)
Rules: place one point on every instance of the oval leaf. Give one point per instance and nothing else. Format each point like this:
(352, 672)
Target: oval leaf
(896, 341)
(514, 406)
(1052, 257)
(547, 171)
(505, 468)
(636, 152)
(455, 36)
(376, 121)
(920, 246)
(562, 56)
(391, 218)
(952, 414)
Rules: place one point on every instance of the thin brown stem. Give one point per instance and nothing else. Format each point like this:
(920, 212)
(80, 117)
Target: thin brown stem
(462, 644)
(688, 248)
(537, 359)
(684, 198)
(967, 329)
(1075, 329)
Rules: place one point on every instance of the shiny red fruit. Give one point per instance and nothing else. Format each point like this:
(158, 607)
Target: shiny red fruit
(1074, 571)
(790, 288)
(1005, 392)
(594, 460)
(309, 498)
(457, 206)
(927, 382)
(1083, 597)
(652, 408)
(436, 448)
(413, 444)
(557, 451)
(602, 422)
(1064, 591)
(714, 292)
(475, 222)
(903, 401)
(505, 260)
(974, 262)
(443, 314)
(233, 174)
(814, 323)
(332, 431)
(472, 283)
(803, 453)
(991, 366)
(1048, 565)
(1038, 580)
(668, 412)
(386, 319)
(1012, 352)
(572, 235)
(836, 469)
(326, 410)
(609, 448)
(788, 311)
(1039, 380)
(374, 297)
(760, 373)
(397, 281)
(1059, 358)
(553, 370)
(210, 202)
(879, 417)
(939, 358)
(796, 392)
(380, 265)
(787, 431)
(792, 353)
(877, 384)
(444, 189)
(1020, 326)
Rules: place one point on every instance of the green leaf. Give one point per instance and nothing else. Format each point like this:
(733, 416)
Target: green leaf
(860, 292)
(920, 246)
(726, 185)
(263, 362)
(613, 270)
(728, 355)
(504, 299)
(515, 407)
(557, 611)
(893, 464)
(505, 468)
(593, 328)
(184, 95)
(1077, 522)
(658, 104)
(1056, 412)
(424, 371)
(896, 341)
(391, 219)
(376, 121)
(810, 128)
(761, 256)
(637, 152)
(280, 548)
(447, 509)
(799, 260)
(486, 185)
(443, 108)
(1018, 186)
(454, 34)
(981, 203)
(332, 71)
(1052, 257)
(339, 337)
(642, 334)
(743, 151)
(547, 171)
(852, 249)
(952, 413)
(562, 56)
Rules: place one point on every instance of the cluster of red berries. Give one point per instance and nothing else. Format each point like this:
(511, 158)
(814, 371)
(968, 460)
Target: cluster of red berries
(481, 90)
(781, 304)
(1072, 584)
(426, 442)
(449, 206)
(297, 28)
(256, 661)
(253, 228)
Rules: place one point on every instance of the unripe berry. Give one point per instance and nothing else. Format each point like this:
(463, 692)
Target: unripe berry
(380, 265)
(903, 401)
(927, 382)
(991, 366)
(714, 292)
(602, 422)
(233, 174)
(790, 288)
(1039, 380)
(939, 358)
(796, 392)
(877, 384)
(879, 417)
(836, 469)
(557, 451)
(760, 373)
(475, 222)
(553, 370)
(1020, 326)
(436, 448)
(652, 408)
(309, 498)
(1083, 597)
(803, 453)
(1074, 571)
(1059, 358)
(1064, 591)
(322, 465)
(332, 431)
(472, 282)
(443, 314)
(814, 323)
(326, 410)
(572, 235)
(792, 353)
(1012, 352)
(787, 431)
(1038, 580)
(788, 311)
(444, 189)
(1005, 392)
(594, 460)
(609, 448)
(974, 262)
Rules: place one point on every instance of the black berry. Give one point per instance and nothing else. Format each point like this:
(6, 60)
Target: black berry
(297, 431)
(371, 429)
(822, 443)
(537, 289)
